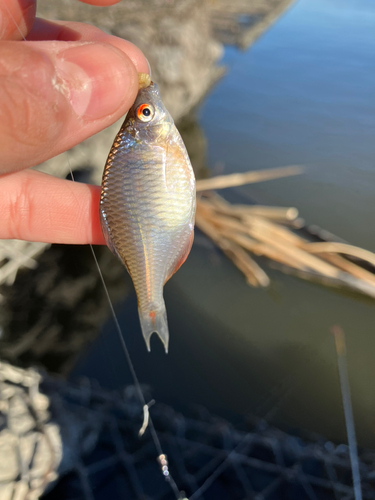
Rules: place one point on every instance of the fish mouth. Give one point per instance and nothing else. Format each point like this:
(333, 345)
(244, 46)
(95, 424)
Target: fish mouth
(144, 80)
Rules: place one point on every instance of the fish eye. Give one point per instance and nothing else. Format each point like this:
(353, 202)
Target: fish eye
(145, 112)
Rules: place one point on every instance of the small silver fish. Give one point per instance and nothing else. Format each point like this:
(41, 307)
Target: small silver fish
(147, 204)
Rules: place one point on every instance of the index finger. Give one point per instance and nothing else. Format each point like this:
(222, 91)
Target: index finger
(39, 207)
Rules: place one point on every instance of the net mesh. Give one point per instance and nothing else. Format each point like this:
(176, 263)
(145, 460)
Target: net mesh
(15, 254)
(266, 464)
(81, 442)
(97, 452)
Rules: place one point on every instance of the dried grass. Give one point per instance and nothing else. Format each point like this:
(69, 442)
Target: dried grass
(272, 232)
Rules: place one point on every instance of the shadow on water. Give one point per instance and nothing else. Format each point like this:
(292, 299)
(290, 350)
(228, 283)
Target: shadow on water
(302, 94)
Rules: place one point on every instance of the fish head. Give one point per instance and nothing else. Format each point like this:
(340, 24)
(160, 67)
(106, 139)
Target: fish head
(148, 119)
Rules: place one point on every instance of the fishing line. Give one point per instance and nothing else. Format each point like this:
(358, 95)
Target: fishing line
(161, 455)
(14, 21)
(162, 458)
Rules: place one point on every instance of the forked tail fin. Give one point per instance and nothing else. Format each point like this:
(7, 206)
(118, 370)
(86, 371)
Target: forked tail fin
(155, 321)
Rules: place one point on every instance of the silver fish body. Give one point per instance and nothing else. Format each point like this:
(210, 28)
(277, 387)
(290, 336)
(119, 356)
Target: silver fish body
(147, 205)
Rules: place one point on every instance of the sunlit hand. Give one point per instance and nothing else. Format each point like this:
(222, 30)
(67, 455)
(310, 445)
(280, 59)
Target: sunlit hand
(67, 82)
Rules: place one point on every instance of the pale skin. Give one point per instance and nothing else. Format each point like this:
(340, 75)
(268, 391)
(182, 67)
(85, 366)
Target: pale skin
(67, 82)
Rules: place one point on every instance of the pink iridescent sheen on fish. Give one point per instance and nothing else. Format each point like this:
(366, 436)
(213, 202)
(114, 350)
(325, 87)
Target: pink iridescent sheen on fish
(147, 205)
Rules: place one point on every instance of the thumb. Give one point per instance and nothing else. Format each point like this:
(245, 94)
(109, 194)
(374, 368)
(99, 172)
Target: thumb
(53, 95)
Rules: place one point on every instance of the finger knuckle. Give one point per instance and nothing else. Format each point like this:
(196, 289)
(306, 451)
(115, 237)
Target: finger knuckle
(19, 210)
(28, 102)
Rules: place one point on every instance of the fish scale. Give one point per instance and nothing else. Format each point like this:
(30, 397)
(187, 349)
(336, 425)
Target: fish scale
(147, 205)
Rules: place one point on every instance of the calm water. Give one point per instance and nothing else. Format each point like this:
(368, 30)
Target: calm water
(304, 93)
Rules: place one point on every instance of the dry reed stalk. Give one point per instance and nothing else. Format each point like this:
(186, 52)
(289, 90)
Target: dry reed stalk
(223, 221)
(269, 234)
(341, 248)
(344, 280)
(287, 216)
(304, 258)
(285, 248)
(253, 273)
(216, 200)
(274, 213)
(239, 229)
(235, 231)
(349, 267)
(261, 249)
(295, 224)
(276, 230)
(279, 214)
(340, 346)
(225, 181)
(229, 228)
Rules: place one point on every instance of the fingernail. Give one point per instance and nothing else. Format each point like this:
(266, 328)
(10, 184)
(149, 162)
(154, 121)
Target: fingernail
(149, 67)
(95, 78)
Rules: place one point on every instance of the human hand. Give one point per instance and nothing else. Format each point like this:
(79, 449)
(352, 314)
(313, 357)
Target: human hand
(66, 82)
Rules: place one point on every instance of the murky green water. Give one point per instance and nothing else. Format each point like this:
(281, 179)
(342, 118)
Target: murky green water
(304, 93)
